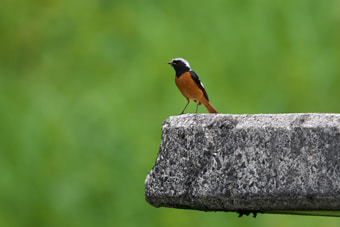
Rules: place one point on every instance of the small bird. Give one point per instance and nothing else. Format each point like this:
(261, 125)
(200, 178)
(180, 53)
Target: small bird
(190, 85)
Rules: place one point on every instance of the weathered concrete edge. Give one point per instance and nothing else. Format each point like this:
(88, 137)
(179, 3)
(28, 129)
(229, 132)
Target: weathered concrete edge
(262, 121)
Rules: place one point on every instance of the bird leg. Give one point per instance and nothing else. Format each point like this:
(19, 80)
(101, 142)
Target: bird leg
(185, 106)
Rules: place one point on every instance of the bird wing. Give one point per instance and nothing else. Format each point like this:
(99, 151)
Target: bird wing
(199, 83)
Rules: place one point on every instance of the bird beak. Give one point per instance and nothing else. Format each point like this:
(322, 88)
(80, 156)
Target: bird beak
(170, 63)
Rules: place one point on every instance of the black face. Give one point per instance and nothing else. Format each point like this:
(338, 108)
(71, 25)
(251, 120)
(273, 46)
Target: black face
(179, 66)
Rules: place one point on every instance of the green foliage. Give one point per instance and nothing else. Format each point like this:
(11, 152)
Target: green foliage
(84, 88)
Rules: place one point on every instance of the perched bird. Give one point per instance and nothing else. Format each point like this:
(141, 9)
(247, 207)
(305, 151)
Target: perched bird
(190, 85)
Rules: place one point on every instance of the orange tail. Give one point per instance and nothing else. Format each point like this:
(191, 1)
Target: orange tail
(207, 105)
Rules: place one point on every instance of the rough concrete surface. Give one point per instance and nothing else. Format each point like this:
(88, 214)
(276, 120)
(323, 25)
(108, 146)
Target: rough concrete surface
(262, 162)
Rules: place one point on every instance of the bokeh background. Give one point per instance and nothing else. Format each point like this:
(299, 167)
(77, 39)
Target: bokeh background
(85, 87)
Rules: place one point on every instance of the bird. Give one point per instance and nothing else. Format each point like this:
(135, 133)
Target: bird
(190, 85)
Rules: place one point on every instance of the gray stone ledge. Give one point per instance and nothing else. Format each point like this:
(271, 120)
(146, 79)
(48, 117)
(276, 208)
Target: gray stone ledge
(272, 163)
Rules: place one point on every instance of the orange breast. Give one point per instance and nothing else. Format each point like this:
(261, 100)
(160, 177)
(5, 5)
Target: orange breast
(188, 87)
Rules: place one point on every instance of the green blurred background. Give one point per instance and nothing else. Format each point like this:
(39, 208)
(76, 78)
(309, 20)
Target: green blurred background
(85, 87)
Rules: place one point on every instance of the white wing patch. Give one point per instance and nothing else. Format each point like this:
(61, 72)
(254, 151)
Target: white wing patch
(202, 84)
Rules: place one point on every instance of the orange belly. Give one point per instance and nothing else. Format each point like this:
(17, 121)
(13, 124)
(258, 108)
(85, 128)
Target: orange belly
(188, 87)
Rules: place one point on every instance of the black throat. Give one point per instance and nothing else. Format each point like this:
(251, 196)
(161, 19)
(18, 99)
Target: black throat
(181, 68)
(179, 72)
